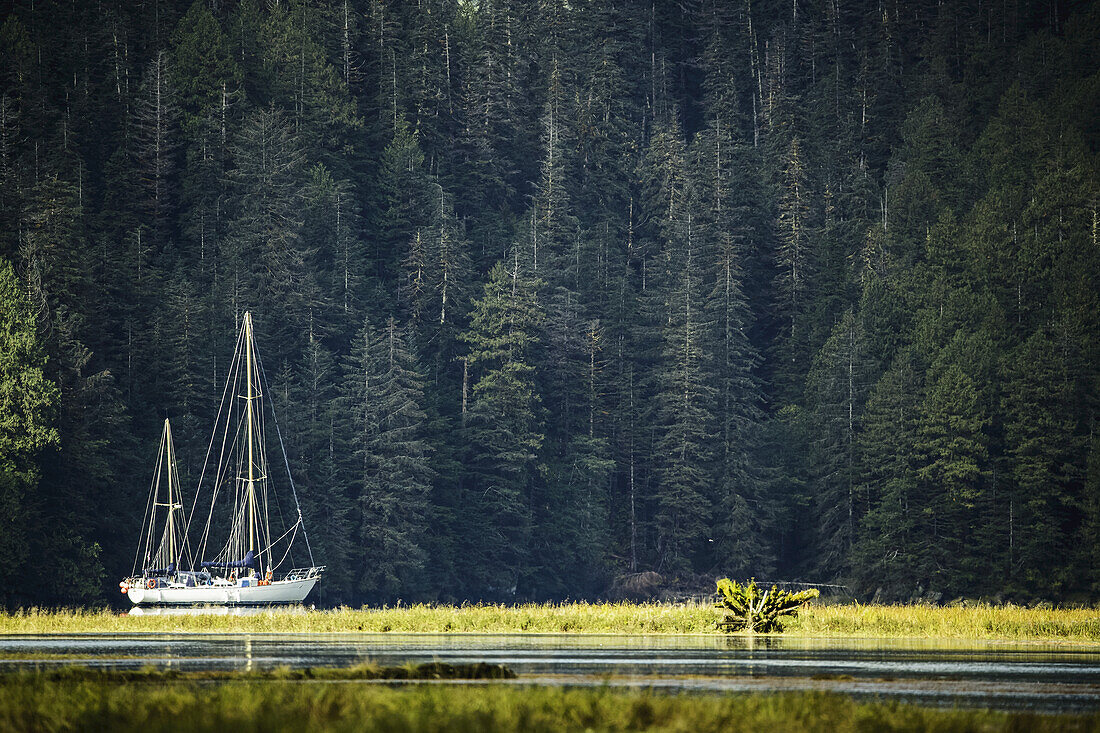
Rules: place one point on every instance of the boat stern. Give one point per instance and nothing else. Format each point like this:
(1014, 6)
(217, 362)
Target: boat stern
(136, 594)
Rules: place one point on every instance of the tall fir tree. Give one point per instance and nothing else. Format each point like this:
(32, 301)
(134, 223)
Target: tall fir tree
(382, 394)
(505, 433)
(895, 539)
(837, 384)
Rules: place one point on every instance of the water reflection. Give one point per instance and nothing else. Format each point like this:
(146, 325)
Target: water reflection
(750, 643)
(989, 673)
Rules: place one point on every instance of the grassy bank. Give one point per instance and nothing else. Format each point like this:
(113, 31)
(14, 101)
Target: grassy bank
(979, 622)
(29, 702)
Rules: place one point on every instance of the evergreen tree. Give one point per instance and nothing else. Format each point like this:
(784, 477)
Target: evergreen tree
(483, 165)
(505, 434)
(207, 80)
(388, 458)
(923, 178)
(727, 203)
(793, 263)
(28, 401)
(1090, 533)
(436, 285)
(836, 387)
(406, 195)
(555, 240)
(895, 540)
(954, 462)
(267, 257)
(308, 87)
(1044, 458)
(326, 504)
(331, 228)
(203, 71)
(154, 150)
(684, 413)
(178, 329)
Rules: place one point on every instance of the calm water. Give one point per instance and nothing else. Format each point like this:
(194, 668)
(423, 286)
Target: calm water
(1002, 675)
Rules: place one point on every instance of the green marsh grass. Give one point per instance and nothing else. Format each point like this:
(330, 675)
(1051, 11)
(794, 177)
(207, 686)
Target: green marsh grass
(950, 622)
(1009, 623)
(29, 702)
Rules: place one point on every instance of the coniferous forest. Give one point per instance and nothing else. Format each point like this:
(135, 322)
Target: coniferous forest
(552, 292)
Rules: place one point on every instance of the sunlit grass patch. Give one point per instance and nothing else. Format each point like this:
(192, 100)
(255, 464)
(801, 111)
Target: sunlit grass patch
(581, 617)
(919, 621)
(973, 622)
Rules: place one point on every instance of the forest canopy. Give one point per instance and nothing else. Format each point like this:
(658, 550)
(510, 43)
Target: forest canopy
(550, 293)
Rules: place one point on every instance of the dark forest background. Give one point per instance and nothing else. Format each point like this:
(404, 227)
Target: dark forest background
(552, 292)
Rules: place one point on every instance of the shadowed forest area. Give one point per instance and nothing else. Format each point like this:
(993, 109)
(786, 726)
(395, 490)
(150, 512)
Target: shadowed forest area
(549, 293)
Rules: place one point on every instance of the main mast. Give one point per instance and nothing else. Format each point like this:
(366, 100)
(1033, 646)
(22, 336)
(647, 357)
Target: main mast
(171, 501)
(250, 397)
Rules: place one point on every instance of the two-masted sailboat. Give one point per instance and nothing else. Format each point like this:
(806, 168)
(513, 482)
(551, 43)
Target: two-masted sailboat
(246, 570)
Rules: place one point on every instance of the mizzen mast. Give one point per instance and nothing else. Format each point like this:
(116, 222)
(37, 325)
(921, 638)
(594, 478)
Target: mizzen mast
(171, 502)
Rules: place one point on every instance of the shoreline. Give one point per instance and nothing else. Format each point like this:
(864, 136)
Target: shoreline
(914, 623)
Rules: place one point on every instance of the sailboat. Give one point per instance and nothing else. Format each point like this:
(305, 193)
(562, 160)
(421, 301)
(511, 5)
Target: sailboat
(247, 569)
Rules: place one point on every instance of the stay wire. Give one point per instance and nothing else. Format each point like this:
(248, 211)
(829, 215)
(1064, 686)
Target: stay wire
(147, 517)
(282, 447)
(222, 405)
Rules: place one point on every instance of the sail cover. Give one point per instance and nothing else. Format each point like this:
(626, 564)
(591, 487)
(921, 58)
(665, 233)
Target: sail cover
(249, 561)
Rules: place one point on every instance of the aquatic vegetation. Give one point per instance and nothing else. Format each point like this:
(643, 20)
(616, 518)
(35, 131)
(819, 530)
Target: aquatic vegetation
(748, 609)
(815, 620)
(30, 702)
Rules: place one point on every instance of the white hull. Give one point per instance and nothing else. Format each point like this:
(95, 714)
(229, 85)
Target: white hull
(280, 591)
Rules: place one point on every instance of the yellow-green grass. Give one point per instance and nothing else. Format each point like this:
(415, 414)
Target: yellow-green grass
(29, 702)
(933, 622)
(981, 622)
